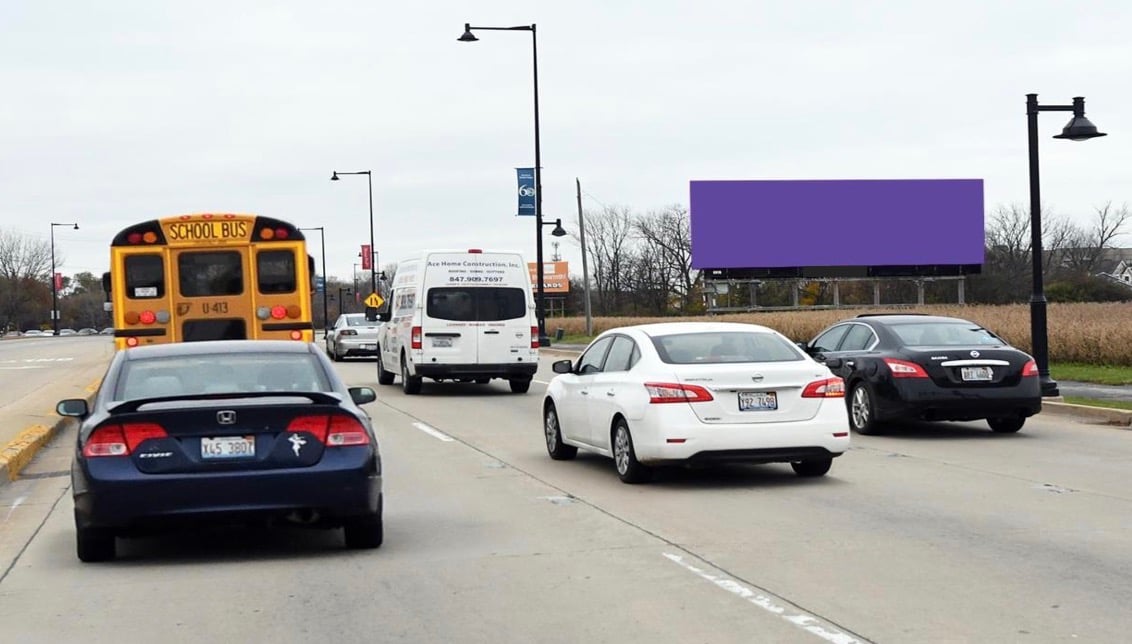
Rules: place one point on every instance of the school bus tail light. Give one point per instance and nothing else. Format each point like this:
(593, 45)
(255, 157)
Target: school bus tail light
(296, 335)
(293, 311)
(147, 317)
(278, 312)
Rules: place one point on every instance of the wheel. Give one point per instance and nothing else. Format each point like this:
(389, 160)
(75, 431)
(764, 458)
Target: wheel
(520, 386)
(862, 410)
(383, 377)
(482, 381)
(625, 457)
(814, 467)
(93, 544)
(365, 532)
(558, 450)
(410, 385)
(1006, 425)
(333, 353)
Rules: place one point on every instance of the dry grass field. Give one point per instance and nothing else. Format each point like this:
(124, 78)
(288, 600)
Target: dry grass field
(1092, 333)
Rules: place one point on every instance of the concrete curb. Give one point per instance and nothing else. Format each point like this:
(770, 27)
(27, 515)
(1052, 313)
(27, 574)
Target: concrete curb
(16, 455)
(1121, 418)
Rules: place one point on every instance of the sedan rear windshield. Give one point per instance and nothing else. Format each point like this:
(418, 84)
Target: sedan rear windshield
(477, 304)
(944, 334)
(219, 374)
(724, 347)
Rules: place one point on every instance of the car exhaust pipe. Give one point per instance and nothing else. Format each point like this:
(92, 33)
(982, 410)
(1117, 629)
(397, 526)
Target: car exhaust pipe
(303, 517)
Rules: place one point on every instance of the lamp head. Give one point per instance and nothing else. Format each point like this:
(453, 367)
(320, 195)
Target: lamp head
(334, 176)
(467, 36)
(1079, 128)
(76, 226)
(558, 231)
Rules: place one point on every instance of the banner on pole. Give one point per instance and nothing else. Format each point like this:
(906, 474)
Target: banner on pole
(367, 258)
(526, 178)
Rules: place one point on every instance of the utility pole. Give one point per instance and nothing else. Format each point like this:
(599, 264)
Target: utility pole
(585, 264)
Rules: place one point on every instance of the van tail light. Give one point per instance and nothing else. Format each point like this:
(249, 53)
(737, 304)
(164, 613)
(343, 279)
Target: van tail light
(333, 430)
(415, 338)
(825, 388)
(671, 392)
(1031, 369)
(905, 369)
(120, 440)
(534, 337)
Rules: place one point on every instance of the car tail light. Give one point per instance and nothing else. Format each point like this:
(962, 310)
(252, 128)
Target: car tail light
(106, 441)
(137, 432)
(348, 332)
(534, 337)
(671, 392)
(1031, 369)
(415, 338)
(331, 430)
(346, 430)
(825, 388)
(905, 369)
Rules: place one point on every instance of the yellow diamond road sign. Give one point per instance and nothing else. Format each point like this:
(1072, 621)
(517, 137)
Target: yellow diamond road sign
(374, 300)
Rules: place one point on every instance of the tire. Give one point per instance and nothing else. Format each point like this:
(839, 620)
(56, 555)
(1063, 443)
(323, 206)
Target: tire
(365, 532)
(1006, 425)
(520, 386)
(383, 377)
(552, 431)
(482, 381)
(812, 468)
(411, 386)
(629, 469)
(93, 545)
(333, 353)
(862, 410)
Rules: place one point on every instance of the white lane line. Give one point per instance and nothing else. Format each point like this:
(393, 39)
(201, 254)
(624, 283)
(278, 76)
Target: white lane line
(15, 505)
(794, 615)
(543, 382)
(435, 433)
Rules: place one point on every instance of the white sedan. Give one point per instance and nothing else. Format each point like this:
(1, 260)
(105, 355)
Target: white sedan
(696, 392)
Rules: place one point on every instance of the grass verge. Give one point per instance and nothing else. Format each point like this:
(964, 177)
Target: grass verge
(1095, 402)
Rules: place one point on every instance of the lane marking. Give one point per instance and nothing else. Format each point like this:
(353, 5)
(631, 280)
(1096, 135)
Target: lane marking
(435, 433)
(778, 606)
(15, 505)
(543, 382)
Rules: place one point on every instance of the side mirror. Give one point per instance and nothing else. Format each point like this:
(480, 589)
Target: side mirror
(371, 313)
(362, 395)
(74, 407)
(563, 366)
(385, 315)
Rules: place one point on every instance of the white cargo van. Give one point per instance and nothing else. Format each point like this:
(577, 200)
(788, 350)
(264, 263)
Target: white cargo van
(463, 315)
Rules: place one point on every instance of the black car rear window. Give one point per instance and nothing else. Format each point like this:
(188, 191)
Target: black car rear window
(944, 334)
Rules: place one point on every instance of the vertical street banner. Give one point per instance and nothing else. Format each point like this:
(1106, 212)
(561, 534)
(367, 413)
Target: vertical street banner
(367, 258)
(526, 177)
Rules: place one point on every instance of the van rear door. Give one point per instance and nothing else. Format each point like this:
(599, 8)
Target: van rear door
(505, 324)
(449, 328)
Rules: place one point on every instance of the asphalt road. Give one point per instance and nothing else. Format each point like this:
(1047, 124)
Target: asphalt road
(938, 532)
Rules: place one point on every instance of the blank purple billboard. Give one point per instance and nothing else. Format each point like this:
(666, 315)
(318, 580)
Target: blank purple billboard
(776, 224)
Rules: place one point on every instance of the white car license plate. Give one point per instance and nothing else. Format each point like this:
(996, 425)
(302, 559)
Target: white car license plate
(758, 401)
(227, 447)
(369, 347)
(977, 374)
(442, 342)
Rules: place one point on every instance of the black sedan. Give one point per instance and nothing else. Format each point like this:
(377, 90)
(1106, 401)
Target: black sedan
(923, 367)
(227, 431)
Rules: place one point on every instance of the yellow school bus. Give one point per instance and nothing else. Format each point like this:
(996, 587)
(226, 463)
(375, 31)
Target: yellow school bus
(210, 276)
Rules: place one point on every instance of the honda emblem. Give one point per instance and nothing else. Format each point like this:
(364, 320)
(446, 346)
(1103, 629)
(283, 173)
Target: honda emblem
(226, 417)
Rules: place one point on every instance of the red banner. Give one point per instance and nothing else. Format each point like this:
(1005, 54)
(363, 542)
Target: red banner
(58, 281)
(367, 258)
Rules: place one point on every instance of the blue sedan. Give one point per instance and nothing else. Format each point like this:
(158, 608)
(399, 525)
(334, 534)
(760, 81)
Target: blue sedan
(225, 431)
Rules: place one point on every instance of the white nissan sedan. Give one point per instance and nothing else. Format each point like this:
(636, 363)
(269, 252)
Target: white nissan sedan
(696, 392)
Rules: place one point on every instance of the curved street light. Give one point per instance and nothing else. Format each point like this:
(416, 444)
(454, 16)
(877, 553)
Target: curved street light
(54, 284)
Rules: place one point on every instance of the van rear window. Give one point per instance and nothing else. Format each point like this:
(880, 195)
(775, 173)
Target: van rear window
(478, 304)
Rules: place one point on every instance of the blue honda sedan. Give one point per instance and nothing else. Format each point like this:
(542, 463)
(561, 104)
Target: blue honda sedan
(225, 431)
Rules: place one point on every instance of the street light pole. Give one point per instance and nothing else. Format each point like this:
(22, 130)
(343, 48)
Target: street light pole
(1079, 128)
(540, 298)
(372, 248)
(54, 288)
(325, 300)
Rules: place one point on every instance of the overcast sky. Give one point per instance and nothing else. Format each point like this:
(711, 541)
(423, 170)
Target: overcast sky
(120, 111)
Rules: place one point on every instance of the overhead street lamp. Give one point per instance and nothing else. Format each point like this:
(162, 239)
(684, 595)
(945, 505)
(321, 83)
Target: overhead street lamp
(325, 302)
(540, 300)
(1079, 128)
(369, 177)
(54, 286)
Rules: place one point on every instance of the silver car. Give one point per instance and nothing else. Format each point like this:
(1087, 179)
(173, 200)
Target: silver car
(352, 335)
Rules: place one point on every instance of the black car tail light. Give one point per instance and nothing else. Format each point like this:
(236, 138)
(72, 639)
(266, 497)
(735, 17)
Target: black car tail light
(825, 388)
(120, 440)
(334, 430)
(671, 392)
(905, 369)
(1030, 369)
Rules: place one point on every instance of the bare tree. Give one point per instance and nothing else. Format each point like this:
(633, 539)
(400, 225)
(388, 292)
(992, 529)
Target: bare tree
(608, 238)
(25, 262)
(667, 236)
(1083, 249)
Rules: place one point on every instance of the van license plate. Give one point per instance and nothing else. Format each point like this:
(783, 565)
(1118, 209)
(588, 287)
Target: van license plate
(227, 447)
(442, 342)
(977, 374)
(758, 401)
